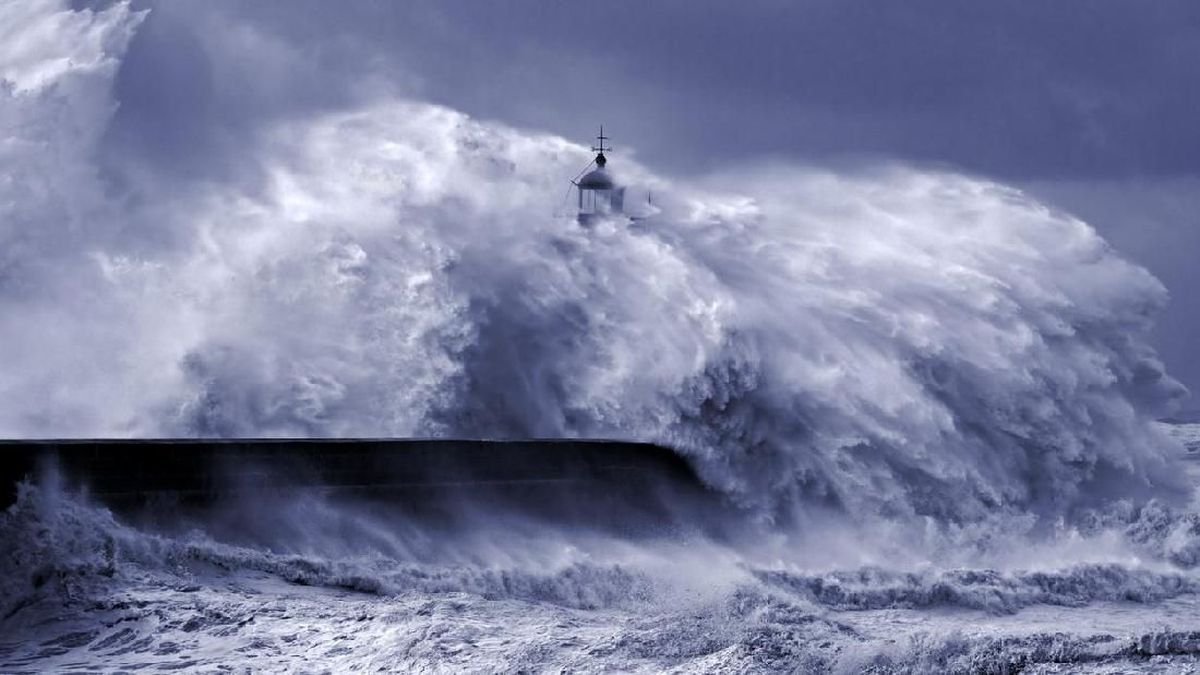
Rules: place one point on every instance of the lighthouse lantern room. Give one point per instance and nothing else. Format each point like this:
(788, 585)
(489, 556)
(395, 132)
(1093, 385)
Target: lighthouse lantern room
(599, 195)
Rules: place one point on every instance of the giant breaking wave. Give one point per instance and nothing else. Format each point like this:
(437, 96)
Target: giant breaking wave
(889, 341)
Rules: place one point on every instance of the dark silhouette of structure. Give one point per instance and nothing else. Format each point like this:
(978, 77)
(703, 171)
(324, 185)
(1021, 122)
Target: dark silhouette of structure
(599, 194)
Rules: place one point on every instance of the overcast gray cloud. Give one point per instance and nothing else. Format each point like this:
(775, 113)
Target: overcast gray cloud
(1105, 89)
(1089, 105)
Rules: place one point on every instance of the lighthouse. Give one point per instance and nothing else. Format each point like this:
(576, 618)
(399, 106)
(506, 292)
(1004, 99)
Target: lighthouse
(599, 194)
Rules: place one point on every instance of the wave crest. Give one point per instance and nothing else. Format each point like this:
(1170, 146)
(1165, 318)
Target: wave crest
(892, 341)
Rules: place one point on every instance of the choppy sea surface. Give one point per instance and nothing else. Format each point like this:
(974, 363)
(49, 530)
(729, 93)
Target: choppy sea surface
(928, 399)
(85, 591)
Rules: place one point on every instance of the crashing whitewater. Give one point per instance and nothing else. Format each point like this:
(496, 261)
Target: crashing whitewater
(929, 396)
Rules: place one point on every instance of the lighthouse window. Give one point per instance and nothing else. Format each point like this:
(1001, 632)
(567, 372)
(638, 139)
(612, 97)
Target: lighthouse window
(595, 201)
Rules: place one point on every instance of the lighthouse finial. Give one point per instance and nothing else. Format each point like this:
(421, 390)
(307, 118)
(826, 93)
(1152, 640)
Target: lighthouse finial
(599, 149)
(601, 138)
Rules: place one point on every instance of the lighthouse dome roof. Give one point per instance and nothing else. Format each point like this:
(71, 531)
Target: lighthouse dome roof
(598, 179)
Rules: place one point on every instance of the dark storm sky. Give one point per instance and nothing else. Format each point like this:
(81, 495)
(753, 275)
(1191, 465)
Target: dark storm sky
(1092, 106)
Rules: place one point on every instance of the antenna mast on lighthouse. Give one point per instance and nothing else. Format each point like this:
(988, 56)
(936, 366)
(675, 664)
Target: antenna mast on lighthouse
(599, 148)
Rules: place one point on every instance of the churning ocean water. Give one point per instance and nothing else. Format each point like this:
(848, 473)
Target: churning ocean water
(925, 400)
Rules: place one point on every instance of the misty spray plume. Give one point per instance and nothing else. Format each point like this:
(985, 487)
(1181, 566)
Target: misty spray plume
(883, 342)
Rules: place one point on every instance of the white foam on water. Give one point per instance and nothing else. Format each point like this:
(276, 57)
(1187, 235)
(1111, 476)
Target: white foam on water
(929, 393)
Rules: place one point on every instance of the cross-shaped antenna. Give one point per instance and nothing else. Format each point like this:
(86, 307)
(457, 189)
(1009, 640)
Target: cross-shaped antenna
(601, 138)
